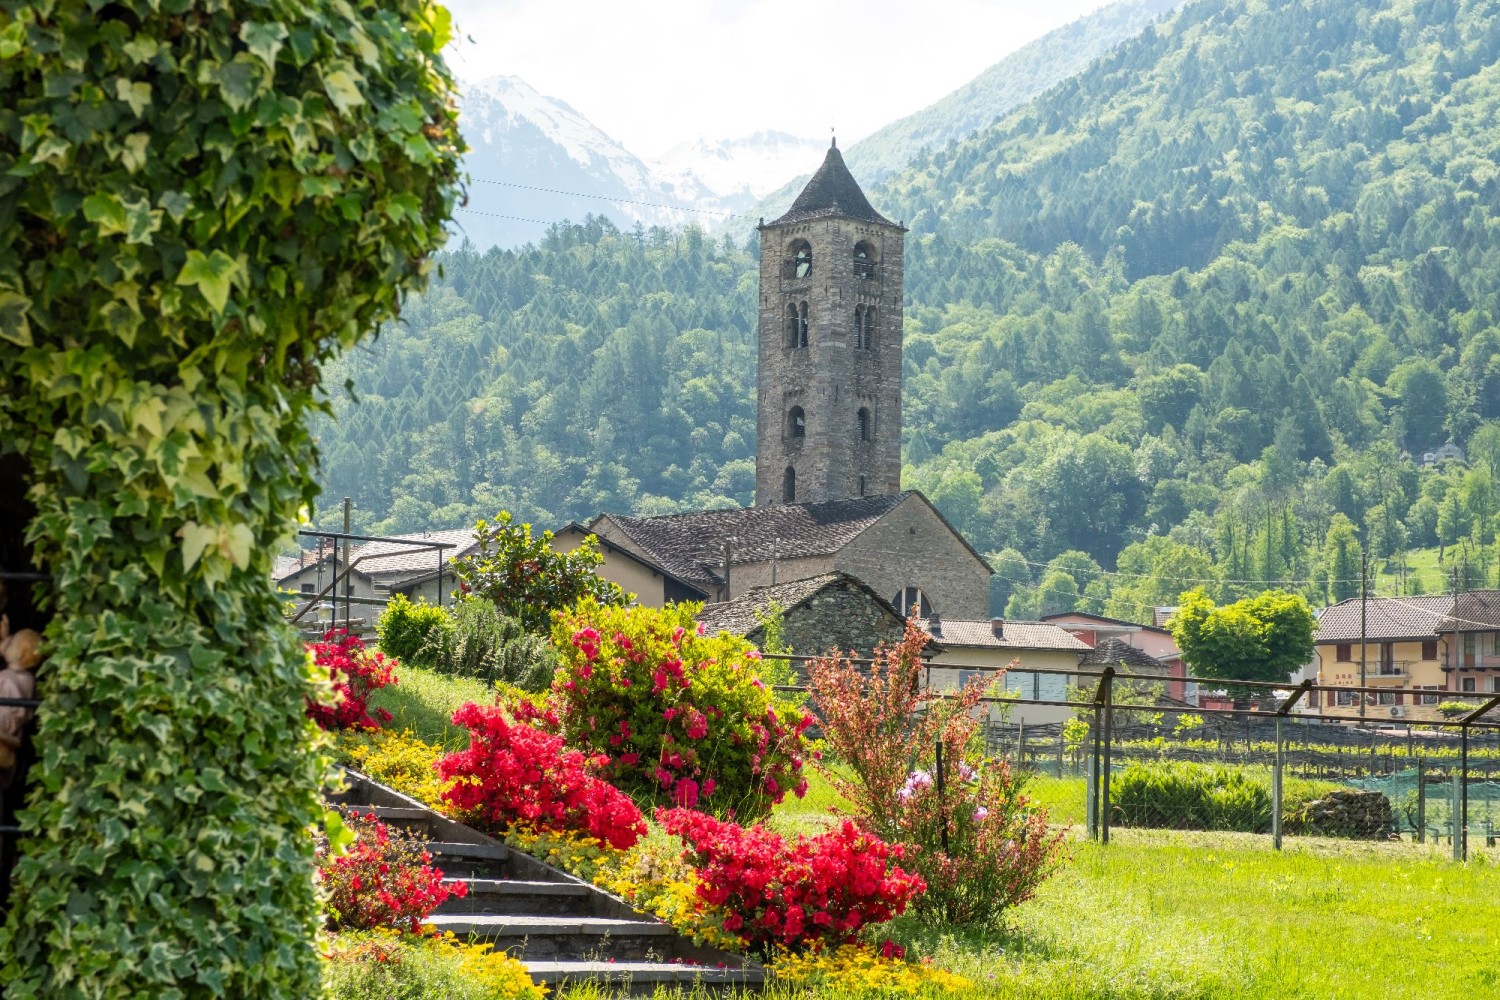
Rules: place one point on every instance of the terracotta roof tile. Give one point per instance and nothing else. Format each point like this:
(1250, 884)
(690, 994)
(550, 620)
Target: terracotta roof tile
(1386, 618)
(1475, 609)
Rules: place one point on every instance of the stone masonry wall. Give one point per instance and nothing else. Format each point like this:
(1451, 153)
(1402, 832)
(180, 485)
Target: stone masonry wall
(912, 547)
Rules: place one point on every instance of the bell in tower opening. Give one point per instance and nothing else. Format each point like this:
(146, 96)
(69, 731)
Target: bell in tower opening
(829, 411)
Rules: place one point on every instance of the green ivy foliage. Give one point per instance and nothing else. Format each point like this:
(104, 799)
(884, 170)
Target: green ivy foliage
(200, 205)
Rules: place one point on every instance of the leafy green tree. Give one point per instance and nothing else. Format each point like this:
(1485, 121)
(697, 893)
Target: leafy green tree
(1261, 638)
(527, 579)
(1341, 554)
(1422, 396)
(1011, 571)
(1057, 593)
(201, 205)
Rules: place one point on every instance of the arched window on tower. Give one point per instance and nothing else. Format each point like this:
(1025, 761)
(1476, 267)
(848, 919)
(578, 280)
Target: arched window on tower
(866, 425)
(912, 599)
(861, 485)
(789, 485)
(800, 263)
(796, 423)
(793, 325)
(802, 325)
(864, 260)
(859, 328)
(869, 339)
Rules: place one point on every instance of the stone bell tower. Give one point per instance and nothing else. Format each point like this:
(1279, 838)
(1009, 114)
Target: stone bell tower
(829, 416)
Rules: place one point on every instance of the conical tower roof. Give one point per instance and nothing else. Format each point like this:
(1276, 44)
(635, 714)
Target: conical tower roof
(832, 191)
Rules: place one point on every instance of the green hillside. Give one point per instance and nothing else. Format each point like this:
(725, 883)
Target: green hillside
(1185, 318)
(1011, 82)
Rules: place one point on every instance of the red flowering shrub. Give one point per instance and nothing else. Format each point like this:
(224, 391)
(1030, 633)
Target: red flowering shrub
(822, 889)
(355, 671)
(885, 730)
(383, 880)
(682, 718)
(514, 773)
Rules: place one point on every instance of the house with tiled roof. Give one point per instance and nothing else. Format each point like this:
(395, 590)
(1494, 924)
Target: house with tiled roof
(652, 584)
(976, 647)
(897, 544)
(833, 611)
(1420, 651)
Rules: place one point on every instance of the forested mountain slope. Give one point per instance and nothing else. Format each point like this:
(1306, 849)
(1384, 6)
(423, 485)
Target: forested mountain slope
(1180, 319)
(1014, 80)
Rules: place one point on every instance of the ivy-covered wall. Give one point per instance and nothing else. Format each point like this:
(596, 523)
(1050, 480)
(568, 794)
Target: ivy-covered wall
(200, 204)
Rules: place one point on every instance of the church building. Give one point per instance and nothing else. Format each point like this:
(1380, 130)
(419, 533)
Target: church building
(828, 497)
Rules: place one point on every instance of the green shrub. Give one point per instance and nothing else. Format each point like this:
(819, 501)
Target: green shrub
(405, 628)
(1186, 796)
(384, 965)
(481, 642)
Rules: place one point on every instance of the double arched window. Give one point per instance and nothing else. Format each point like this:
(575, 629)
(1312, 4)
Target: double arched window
(796, 324)
(799, 262)
(864, 328)
(796, 423)
(911, 599)
(864, 260)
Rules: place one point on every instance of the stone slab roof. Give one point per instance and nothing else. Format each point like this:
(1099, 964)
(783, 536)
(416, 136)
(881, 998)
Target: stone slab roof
(1057, 619)
(1474, 610)
(832, 191)
(958, 633)
(691, 546)
(1386, 619)
(1118, 652)
(741, 616)
(393, 561)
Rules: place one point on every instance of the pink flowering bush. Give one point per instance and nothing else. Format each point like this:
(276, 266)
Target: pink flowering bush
(355, 671)
(682, 718)
(514, 774)
(815, 890)
(385, 879)
(884, 729)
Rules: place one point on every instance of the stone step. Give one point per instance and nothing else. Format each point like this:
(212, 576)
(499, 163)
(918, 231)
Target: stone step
(642, 978)
(545, 937)
(469, 861)
(519, 896)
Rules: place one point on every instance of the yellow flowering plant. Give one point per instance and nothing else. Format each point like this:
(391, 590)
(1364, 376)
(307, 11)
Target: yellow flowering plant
(385, 962)
(862, 969)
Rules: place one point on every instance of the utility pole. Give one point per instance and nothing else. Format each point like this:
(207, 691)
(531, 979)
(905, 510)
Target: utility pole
(348, 506)
(1364, 600)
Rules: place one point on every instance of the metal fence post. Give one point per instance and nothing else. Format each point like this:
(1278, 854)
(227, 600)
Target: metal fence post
(1453, 812)
(1463, 792)
(1276, 791)
(1421, 801)
(1090, 786)
(1109, 722)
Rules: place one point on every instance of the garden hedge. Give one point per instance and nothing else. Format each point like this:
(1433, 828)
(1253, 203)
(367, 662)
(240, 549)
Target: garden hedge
(200, 205)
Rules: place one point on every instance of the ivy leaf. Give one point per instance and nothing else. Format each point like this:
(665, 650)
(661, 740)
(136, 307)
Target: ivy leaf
(239, 542)
(121, 321)
(137, 95)
(107, 212)
(342, 86)
(14, 326)
(176, 203)
(12, 39)
(264, 40)
(239, 82)
(211, 273)
(133, 151)
(195, 539)
(141, 221)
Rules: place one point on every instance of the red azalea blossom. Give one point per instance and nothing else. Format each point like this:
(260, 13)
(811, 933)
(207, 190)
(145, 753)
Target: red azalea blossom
(355, 672)
(815, 889)
(383, 880)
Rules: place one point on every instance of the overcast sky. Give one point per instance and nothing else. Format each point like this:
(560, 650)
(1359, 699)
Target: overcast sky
(657, 73)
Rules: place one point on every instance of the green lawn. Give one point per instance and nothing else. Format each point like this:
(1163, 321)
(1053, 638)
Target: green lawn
(424, 701)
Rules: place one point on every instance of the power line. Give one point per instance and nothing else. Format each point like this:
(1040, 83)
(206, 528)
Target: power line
(496, 215)
(1190, 579)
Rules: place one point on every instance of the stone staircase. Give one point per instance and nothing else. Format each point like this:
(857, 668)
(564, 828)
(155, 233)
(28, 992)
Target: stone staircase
(564, 929)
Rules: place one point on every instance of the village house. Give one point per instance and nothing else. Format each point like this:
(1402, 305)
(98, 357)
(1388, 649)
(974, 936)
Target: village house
(380, 569)
(818, 615)
(1153, 640)
(1420, 651)
(982, 647)
(652, 585)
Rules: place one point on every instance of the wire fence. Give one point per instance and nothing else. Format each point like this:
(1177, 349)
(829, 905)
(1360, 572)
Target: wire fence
(1253, 769)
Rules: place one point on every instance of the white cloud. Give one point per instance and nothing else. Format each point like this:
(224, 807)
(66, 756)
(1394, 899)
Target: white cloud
(656, 74)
